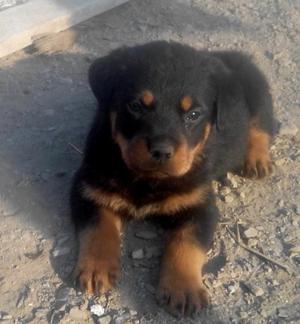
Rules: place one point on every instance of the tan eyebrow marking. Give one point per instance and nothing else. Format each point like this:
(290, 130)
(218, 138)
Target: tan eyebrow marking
(186, 103)
(147, 97)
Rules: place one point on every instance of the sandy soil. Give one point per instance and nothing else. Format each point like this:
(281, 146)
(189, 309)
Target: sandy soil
(46, 105)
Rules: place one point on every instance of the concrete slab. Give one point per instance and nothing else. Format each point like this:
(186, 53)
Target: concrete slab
(22, 24)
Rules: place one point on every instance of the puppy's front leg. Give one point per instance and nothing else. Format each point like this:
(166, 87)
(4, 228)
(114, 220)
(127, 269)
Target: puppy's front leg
(181, 288)
(98, 265)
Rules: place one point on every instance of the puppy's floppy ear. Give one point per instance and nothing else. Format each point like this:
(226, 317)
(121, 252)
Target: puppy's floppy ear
(104, 76)
(229, 99)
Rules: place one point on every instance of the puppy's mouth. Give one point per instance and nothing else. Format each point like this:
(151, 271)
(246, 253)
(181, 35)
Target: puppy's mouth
(150, 172)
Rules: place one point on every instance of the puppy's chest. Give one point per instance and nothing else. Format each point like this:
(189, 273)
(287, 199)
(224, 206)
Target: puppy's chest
(142, 200)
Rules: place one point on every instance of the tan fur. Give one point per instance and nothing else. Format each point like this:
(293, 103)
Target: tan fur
(98, 262)
(258, 160)
(181, 270)
(147, 97)
(186, 103)
(168, 206)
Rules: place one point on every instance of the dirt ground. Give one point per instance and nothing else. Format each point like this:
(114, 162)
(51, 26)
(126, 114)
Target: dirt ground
(45, 111)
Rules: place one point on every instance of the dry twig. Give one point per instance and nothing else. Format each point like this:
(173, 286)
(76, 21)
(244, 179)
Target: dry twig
(258, 254)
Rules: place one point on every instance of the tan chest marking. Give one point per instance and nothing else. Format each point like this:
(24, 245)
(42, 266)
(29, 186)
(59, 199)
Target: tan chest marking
(168, 206)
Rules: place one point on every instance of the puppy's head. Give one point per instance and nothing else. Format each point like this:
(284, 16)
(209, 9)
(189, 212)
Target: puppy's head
(160, 102)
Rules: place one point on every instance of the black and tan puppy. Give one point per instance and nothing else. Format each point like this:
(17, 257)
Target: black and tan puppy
(171, 119)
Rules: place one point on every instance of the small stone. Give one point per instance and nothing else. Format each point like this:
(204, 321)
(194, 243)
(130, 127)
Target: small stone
(34, 253)
(280, 162)
(133, 312)
(232, 180)
(252, 242)
(121, 319)
(5, 316)
(62, 294)
(231, 288)
(257, 291)
(250, 233)
(152, 251)
(97, 310)
(23, 295)
(282, 313)
(138, 254)
(225, 191)
(243, 315)
(229, 198)
(77, 314)
(288, 128)
(105, 319)
(146, 235)
(269, 55)
(60, 251)
(242, 195)
(41, 312)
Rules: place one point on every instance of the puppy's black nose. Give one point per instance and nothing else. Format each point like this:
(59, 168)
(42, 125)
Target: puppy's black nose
(161, 152)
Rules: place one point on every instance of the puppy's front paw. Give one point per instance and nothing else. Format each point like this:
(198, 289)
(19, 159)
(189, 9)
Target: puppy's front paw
(95, 275)
(257, 167)
(182, 296)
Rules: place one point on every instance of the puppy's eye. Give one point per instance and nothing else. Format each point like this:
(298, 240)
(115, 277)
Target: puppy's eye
(135, 107)
(192, 116)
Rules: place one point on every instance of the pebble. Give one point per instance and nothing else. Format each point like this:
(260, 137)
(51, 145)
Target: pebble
(105, 319)
(146, 235)
(288, 128)
(231, 289)
(250, 232)
(97, 310)
(255, 290)
(62, 293)
(252, 242)
(243, 315)
(41, 312)
(60, 251)
(121, 319)
(280, 162)
(133, 312)
(5, 316)
(225, 191)
(242, 195)
(282, 313)
(77, 314)
(23, 295)
(138, 254)
(229, 198)
(232, 179)
(153, 251)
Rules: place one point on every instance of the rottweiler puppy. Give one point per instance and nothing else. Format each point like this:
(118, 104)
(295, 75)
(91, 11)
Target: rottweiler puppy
(171, 119)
